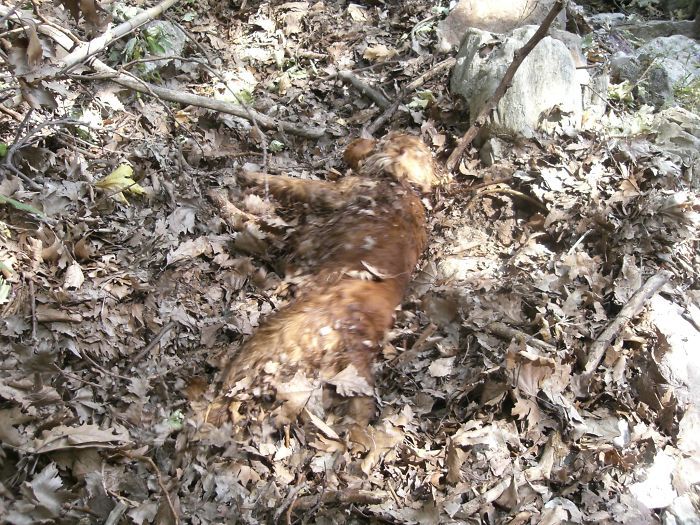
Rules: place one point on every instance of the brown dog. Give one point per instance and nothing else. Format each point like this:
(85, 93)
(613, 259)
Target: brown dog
(360, 256)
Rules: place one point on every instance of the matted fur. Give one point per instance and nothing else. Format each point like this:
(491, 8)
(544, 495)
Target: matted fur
(359, 258)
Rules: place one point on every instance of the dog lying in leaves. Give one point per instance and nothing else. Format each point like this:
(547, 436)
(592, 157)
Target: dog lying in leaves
(359, 253)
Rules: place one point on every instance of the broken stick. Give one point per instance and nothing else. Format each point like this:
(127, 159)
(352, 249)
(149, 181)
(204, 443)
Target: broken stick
(628, 312)
(410, 87)
(492, 102)
(171, 95)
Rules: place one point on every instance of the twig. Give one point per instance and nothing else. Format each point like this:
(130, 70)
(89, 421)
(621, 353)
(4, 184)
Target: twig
(191, 38)
(189, 99)
(104, 370)
(411, 86)
(210, 70)
(9, 112)
(504, 331)
(150, 346)
(493, 182)
(49, 23)
(368, 91)
(343, 497)
(417, 347)
(21, 142)
(333, 76)
(288, 502)
(579, 241)
(77, 378)
(628, 312)
(246, 107)
(473, 505)
(32, 295)
(9, 13)
(171, 95)
(515, 193)
(492, 102)
(116, 514)
(159, 477)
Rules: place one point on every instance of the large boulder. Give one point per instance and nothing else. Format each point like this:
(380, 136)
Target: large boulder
(677, 54)
(658, 68)
(547, 80)
(497, 17)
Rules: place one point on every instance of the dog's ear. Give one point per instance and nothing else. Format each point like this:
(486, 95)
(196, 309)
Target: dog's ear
(357, 151)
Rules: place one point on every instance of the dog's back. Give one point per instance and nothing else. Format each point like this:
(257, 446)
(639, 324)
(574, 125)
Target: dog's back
(359, 261)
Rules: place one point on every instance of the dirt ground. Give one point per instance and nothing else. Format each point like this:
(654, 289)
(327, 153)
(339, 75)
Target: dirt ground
(118, 307)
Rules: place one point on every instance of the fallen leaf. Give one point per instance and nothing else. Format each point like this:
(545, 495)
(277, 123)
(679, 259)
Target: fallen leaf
(357, 13)
(83, 436)
(378, 52)
(74, 277)
(120, 180)
(349, 383)
(441, 367)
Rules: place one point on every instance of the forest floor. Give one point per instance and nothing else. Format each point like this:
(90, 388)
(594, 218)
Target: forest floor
(116, 308)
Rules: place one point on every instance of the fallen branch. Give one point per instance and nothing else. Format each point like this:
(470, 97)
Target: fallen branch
(504, 331)
(371, 93)
(409, 88)
(170, 95)
(628, 312)
(116, 514)
(159, 477)
(189, 99)
(417, 348)
(492, 102)
(342, 497)
(150, 346)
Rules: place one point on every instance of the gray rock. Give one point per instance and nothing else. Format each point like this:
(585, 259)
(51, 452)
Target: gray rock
(607, 20)
(678, 135)
(677, 54)
(646, 31)
(498, 17)
(656, 88)
(680, 7)
(624, 67)
(493, 151)
(166, 38)
(595, 93)
(547, 79)
(658, 67)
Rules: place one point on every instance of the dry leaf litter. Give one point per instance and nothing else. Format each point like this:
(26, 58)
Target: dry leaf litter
(119, 303)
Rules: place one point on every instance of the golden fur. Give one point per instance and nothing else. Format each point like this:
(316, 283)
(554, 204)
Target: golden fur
(358, 259)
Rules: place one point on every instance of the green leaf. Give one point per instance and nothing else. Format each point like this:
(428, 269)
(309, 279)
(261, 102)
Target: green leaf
(3, 149)
(422, 100)
(245, 96)
(154, 45)
(276, 146)
(130, 49)
(20, 206)
(175, 420)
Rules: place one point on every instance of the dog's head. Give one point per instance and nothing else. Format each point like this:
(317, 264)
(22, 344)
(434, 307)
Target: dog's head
(404, 157)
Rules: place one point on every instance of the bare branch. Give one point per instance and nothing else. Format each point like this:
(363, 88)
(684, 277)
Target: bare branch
(171, 95)
(628, 312)
(410, 87)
